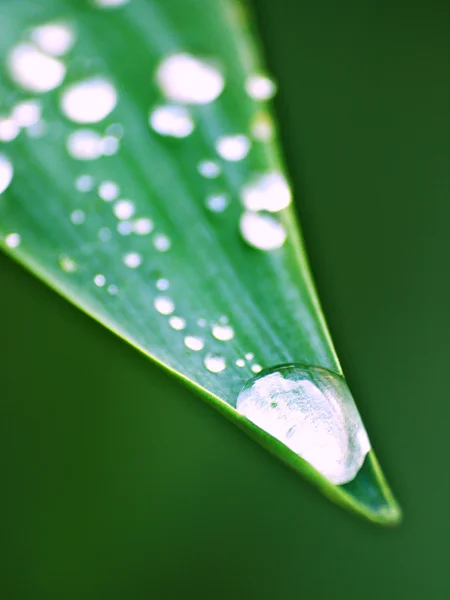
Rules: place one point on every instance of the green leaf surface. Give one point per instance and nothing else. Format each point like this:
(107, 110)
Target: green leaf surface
(157, 254)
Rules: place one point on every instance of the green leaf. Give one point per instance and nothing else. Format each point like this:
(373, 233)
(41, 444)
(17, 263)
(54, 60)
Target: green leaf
(141, 178)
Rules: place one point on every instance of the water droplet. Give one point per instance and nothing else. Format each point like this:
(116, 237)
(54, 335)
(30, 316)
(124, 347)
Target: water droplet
(161, 242)
(77, 217)
(240, 362)
(249, 356)
(214, 363)
(209, 169)
(54, 38)
(12, 240)
(110, 145)
(262, 127)
(311, 411)
(217, 202)
(124, 209)
(260, 87)
(33, 70)
(67, 264)
(113, 290)
(202, 322)
(164, 305)
(108, 191)
(269, 192)
(162, 285)
(233, 147)
(89, 101)
(99, 280)
(262, 231)
(27, 114)
(223, 332)
(110, 3)
(104, 234)
(177, 323)
(85, 144)
(186, 79)
(132, 260)
(256, 368)
(143, 226)
(6, 173)
(9, 130)
(194, 343)
(170, 120)
(125, 227)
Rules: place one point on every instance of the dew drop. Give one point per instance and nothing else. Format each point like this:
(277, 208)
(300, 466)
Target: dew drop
(162, 285)
(77, 217)
(208, 169)
(217, 202)
(240, 362)
(256, 368)
(269, 192)
(262, 231)
(54, 38)
(260, 87)
(233, 147)
(108, 191)
(177, 323)
(110, 3)
(164, 305)
(186, 79)
(249, 356)
(124, 209)
(214, 362)
(100, 280)
(110, 145)
(27, 114)
(33, 70)
(85, 144)
(262, 127)
(125, 227)
(89, 101)
(174, 121)
(12, 240)
(194, 343)
(143, 226)
(202, 322)
(132, 260)
(113, 290)
(9, 129)
(67, 264)
(223, 332)
(161, 242)
(6, 173)
(311, 411)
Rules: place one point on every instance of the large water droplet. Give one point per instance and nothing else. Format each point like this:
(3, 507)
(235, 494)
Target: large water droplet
(33, 70)
(312, 412)
(262, 231)
(171, 120)
(89, 101)
(269, 191)
(54, 38)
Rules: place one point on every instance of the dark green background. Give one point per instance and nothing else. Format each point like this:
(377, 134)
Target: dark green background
(119, 484)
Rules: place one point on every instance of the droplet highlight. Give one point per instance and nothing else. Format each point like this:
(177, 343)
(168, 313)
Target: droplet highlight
(89, 101)
(262, 231)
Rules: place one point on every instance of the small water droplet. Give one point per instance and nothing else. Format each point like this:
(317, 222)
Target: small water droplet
(209, 169)
(269, 192)
(99, 280)
(233, 147)
(132, 260)
(77, 217)
(162, 285)
(240, 362)
(174, 121)
(256, 368)
(164, 305)
(262, 127)
(143, 226)
(108, 191)
(177, 323)
(6, 173)
(110, 145)
(186, 79)
(249, 356)
(217, 202)
(33, 70)
(113, 290)
(161, 242)
(85, 144)
(311, 411)
(27, 113)
(202, 322)
(54, 38)
(260, 87)
(12, 240)
(67, 264)
(84, 183)
(9, 129)
(125, 227)
(89, 101)
(124, 209)
(110, 3)
(214, 362)
(262, 231)
(223, 332)
(194, 343)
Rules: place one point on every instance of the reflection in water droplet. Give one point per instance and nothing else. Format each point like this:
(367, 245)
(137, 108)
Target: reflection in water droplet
(6, 173)
(54, 38)
(85, 144)
(33, 70)
(269, 192)
(233, 147)
(186, 79)
(99, 280)
(170, 120)
(208, 169)
(13, 240)
(223, 332)
(177, 323)
(217, 202)
(214, 363)
(132, 260)
(89, 101)
(164, 305)
(194, 343)
(262, 231)
(27, 114)
(260, 87)
(311, 411)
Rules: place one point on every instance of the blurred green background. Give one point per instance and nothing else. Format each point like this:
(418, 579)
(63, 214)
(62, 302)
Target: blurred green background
(118, 483)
